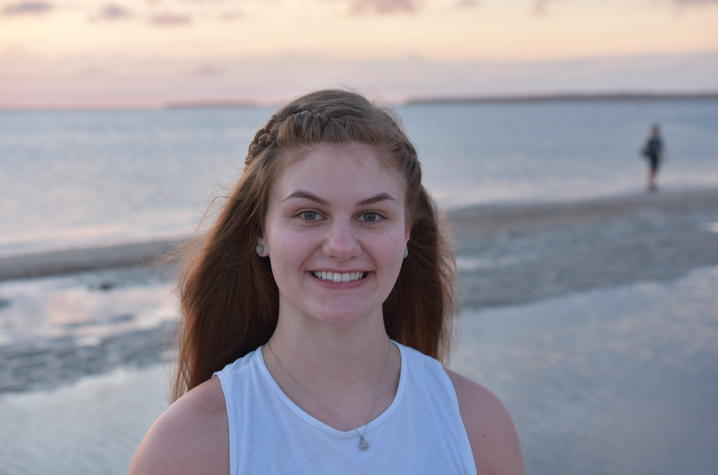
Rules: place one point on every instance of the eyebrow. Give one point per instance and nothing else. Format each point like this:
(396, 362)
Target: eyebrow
(311, 196)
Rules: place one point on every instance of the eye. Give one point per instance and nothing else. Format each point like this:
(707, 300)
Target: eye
(370, 217)
(310, 216)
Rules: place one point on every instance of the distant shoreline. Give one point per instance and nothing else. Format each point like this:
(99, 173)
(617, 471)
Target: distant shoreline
(567, 97)
(410, 101)
(219, 104)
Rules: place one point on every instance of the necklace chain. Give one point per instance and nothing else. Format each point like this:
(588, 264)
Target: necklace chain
(363, 444)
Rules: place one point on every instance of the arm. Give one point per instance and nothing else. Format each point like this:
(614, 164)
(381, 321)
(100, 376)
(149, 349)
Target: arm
(490, 429)
(190, 437)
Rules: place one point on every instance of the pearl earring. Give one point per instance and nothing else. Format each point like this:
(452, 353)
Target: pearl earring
(260, 250)
(406, 252)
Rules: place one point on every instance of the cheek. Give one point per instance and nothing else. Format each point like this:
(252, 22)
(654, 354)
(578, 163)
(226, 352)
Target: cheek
(392, 248)
(288, 250)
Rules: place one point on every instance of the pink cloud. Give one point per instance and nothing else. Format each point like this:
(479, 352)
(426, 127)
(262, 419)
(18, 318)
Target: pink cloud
(34, 81)
(170, 19)
(231, 16)
(383, 7)
(27, 8)
(540, 7)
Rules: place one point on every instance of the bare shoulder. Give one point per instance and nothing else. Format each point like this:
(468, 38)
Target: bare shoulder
(190, 437)
(490, 429)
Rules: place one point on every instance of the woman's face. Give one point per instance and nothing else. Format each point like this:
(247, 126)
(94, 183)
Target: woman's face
(335, 232)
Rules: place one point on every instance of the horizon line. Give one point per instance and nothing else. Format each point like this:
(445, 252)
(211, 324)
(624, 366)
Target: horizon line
(428, 99)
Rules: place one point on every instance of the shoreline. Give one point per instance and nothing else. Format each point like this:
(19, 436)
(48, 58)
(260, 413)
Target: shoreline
(91, 258)
(538, 251)
(468, 224)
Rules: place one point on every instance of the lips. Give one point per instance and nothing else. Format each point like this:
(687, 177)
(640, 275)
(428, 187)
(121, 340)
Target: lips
(339, 276)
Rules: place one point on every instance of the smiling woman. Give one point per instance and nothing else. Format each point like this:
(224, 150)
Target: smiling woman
(349, 225)
(314, 311)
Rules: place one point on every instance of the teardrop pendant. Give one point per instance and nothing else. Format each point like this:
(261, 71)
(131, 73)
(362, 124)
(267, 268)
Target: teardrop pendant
(363, 444)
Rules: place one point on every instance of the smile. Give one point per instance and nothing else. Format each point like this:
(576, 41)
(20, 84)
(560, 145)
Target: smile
(339, 277)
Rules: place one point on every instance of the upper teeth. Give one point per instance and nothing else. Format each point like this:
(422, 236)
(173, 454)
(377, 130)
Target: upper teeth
(339, 277)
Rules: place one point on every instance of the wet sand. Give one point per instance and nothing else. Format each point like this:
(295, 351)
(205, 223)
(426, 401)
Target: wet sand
(618, 381)
(92, 426)
(522, 253)
(67, 261)
(594, 321)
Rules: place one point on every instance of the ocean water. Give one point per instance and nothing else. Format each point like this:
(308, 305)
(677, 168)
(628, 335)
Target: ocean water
(78, 178)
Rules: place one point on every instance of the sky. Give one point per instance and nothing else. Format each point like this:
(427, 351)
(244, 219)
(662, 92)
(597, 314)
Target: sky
(130, 53)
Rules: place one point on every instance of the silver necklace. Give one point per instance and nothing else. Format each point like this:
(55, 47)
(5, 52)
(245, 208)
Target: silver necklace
(363, 444)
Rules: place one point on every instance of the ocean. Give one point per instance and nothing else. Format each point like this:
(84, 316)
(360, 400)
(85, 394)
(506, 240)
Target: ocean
(72, 179)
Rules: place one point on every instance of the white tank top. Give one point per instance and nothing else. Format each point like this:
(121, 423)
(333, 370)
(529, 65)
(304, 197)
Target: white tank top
(421, 432)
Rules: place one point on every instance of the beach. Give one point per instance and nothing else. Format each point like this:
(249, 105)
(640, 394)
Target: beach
(593, 320)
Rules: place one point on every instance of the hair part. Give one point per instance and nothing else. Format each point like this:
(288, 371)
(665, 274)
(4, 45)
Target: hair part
(229, 300)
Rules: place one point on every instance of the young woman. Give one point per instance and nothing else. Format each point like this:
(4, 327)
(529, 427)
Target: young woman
(320, 301)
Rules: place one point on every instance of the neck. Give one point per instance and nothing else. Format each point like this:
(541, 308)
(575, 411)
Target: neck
(346, 356)
(331, 371)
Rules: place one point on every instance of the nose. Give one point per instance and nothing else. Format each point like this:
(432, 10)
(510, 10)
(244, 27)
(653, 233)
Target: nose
(341, 243)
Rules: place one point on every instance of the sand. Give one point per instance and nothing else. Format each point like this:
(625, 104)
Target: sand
(522, 253)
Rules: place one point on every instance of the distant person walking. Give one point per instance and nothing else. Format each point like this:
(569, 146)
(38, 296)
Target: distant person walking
(653, 153)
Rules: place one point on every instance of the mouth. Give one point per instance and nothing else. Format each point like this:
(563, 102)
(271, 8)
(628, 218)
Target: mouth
(339, 276)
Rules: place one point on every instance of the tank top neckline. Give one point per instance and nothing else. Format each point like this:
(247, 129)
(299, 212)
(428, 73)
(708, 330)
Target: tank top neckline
(313, 421)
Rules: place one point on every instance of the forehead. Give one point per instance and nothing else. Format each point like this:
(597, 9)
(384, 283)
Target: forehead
(354, 169)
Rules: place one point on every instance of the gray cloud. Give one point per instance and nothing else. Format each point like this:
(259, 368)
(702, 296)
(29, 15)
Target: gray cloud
(208, 69)
(695, 2)
(383, 7)
(170, 19)
(113, 11)
(27, 8)
(466, 3)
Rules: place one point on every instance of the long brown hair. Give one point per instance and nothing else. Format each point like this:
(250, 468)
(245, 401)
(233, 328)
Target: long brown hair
(228, 297)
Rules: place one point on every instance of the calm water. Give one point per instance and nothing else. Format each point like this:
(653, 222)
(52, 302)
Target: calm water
(72, 178)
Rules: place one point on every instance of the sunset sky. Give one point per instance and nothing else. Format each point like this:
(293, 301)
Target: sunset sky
(150, 52)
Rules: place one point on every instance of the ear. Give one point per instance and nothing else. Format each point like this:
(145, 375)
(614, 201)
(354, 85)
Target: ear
(264, 251)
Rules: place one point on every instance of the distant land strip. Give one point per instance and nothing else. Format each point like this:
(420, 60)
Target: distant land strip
(429, 100)
(564, 97)
(209, 104)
